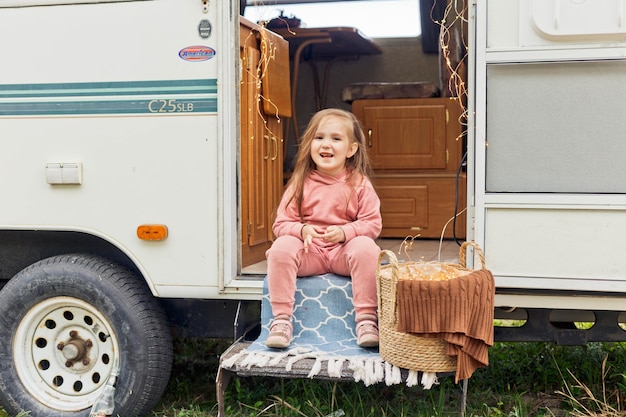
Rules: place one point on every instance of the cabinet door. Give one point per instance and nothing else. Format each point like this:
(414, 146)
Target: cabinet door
(255, 152)
(261, 140)
(404, 205)
(404, 134)
(413, 205)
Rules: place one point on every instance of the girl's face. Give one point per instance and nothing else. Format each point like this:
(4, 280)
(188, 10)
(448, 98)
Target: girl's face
(332, 144)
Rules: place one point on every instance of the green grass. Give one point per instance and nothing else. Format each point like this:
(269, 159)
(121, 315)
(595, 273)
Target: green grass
(523, 379)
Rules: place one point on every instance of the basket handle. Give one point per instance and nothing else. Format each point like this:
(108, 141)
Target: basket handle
(477, 249)
(393, 261)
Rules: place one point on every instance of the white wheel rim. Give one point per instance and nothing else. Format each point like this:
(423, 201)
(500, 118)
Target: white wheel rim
(64, 353)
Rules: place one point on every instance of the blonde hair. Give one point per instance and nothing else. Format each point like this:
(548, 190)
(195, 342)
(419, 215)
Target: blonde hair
(304, 164)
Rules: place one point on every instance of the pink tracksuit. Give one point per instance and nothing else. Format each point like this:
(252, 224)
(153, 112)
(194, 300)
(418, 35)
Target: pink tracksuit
(328, 201)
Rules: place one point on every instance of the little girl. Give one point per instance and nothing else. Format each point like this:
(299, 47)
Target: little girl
(326, 222)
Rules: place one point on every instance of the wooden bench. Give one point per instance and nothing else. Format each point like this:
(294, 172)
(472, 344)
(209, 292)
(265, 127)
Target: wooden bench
(300, 369)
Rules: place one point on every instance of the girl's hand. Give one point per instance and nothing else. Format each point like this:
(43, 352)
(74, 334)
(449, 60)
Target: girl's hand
(308, 233)
(334, 234)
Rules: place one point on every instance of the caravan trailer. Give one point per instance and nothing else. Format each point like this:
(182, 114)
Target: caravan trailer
(507, 120)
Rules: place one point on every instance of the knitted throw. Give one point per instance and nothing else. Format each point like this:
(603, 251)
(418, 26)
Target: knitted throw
(458, 311)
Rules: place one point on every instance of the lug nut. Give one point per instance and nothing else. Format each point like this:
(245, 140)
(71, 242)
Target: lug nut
(73, 333)
(68, 364)
(60, 346)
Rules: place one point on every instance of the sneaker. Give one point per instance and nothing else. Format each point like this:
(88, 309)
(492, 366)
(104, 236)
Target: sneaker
(367, 333)
(281, 331)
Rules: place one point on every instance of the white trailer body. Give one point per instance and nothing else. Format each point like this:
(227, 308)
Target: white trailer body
(118, 114)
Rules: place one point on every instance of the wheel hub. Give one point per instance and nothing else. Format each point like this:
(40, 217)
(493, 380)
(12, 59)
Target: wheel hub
(76, 350)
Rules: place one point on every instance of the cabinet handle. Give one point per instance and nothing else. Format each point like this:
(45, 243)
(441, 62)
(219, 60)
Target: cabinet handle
(266, 157)
(369, 137)
(275, 141)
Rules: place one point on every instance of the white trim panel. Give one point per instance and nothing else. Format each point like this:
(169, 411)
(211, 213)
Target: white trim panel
(556, 249)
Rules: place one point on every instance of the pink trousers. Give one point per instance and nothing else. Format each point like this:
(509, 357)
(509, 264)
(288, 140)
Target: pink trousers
(286, 260)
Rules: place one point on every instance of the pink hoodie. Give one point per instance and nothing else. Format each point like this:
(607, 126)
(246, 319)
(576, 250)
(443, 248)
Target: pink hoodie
(331, 201)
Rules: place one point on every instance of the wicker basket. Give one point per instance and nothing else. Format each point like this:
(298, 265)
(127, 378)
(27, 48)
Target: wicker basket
(407, 350)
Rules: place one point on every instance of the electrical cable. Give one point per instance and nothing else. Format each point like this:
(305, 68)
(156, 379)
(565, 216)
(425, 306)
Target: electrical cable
(456, 198)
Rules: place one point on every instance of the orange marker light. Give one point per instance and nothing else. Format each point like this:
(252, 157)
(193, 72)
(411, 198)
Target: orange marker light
(152, 232)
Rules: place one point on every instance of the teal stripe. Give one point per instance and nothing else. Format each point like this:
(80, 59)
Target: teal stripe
(123, 88)
(159, 97)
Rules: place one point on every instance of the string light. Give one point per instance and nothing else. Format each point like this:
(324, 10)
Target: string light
(259, 73)
(455, 17)
(426, 270)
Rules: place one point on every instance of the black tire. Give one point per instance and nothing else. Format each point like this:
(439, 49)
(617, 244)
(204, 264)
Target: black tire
(64, 324)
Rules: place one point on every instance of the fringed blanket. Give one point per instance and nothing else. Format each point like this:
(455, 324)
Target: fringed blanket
(323, 328)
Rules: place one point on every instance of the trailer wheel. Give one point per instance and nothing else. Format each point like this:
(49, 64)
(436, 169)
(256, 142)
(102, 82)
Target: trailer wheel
(64, 324)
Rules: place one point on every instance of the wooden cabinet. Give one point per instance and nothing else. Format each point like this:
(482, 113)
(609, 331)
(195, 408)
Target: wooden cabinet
(416, 148)
(264, 102)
